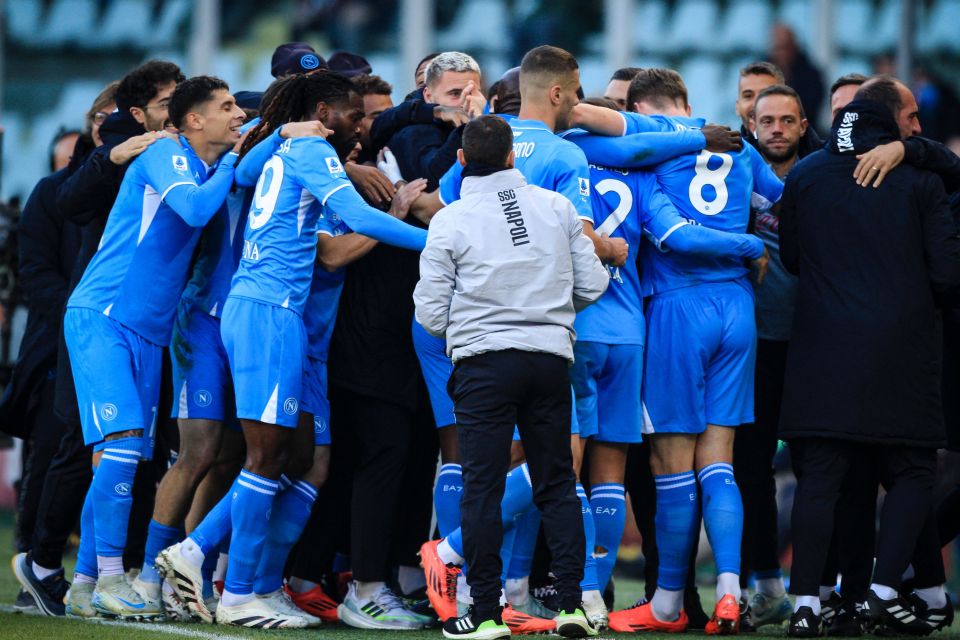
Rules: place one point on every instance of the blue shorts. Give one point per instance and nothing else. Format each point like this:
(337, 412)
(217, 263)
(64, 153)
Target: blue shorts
(606, 382)
(437, 369)
(701, 348)
(574, 423)
(202, 386)
(266, 346)
(315, 400)
(117, 376)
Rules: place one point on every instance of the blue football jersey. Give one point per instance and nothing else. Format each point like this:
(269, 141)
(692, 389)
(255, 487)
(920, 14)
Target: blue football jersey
(627, 204)
(280, 242)
(544, 159)
(221, 245)
(715, 190)
(139, 271)
(320, 314)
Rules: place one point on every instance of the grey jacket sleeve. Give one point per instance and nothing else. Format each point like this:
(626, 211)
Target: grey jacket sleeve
(590, 277)
(434, 291)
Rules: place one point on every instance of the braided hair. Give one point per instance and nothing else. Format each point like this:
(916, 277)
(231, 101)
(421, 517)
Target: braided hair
(294, 98)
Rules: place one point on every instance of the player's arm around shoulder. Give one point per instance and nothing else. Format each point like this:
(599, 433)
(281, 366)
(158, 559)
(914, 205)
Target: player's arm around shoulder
(438, 267)
(590, 278)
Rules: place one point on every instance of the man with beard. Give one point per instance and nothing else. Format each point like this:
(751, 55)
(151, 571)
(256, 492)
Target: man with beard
(780, 124)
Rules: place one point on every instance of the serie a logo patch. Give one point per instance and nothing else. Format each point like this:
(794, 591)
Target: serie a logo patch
(334, 166)
(180, 164)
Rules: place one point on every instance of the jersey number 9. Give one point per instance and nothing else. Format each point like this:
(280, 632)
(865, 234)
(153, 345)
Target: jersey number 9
(266, 192)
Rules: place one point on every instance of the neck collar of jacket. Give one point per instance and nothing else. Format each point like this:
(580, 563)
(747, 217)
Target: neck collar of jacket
(861, 126)
(497, 181)
(118, 127)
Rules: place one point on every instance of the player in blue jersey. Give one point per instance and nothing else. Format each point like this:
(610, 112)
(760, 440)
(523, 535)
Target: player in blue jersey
(122, 312)
(698, 376)
(203, 390)
(607, 371)
(265, 339)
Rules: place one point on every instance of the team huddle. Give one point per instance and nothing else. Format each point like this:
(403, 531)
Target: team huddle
(228, 244)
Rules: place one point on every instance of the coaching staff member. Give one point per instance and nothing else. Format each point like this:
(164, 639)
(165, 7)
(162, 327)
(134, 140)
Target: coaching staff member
(503, 274)
(864, 365)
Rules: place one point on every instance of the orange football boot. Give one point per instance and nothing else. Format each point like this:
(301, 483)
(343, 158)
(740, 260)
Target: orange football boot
(315, 602)
(641, 619)
(522, 624)
(726, 617)
(441, 581)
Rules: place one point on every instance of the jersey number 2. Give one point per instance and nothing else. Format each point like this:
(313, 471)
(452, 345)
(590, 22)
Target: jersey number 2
(704, 176)
(265, 195)
(618, 215)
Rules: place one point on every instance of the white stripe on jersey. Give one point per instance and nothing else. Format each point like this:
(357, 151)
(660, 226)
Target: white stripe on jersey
(269, 414)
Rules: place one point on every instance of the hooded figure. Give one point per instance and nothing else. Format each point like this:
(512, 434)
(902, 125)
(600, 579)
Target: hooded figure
(865, 353)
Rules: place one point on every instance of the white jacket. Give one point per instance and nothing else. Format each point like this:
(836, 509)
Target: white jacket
(506, 267)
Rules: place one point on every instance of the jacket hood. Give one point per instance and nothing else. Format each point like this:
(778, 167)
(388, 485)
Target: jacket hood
(861, 126)
(84, 146)
(118, 127)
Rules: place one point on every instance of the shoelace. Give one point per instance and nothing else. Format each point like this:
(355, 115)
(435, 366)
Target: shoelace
(388, 600)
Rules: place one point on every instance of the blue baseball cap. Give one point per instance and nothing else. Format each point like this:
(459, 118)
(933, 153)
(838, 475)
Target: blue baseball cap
(295, 57)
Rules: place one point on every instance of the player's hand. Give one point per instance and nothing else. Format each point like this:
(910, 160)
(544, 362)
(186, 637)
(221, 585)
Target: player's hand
(405, 197)
(373, 185)
(132, 147)
(240, 141)
(388, 165)
(354, 155)
(304, 129)
(451, 115)
(875, 164)
(721, 139)
(472, 101)
(617, 250)
(761, 264)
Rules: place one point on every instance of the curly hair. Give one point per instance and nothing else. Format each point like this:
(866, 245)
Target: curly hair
(138, 87)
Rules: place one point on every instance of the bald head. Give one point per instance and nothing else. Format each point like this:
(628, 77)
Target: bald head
(508, 92)
(896, 97)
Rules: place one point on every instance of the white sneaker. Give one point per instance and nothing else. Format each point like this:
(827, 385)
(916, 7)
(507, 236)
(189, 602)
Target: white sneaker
(280, 601)
(150, 594)
(114, 597)
(257, 613)
(186, 580)
(595, 610)
(384, 611)
(173, 606)
(79, 601)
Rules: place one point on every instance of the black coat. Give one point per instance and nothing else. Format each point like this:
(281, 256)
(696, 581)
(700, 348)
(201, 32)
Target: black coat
(865, 353)
(48, 248)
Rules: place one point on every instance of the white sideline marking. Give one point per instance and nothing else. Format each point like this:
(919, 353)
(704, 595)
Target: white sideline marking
(146, 626)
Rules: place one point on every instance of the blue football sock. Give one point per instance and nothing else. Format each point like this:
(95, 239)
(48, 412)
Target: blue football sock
(87, 552)
(527, 525)
(517, 499)
(609, 516)
(253, 498)
(722, 515)
(159, 537)
(215, 526)
(676, 525)
(112, 488)
(589, 582)
(446, 498)
(291, 510)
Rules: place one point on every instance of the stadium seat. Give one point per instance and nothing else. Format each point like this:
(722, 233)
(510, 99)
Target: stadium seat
(168, 26)
(650, 22)
(746, 26)
(693, 26)
(23, 19)
(708, 94)
(887, 27)
(941, 30)
(853, 25)
(798, 14)
(126, 22)
(851, 64)
(464, 34)
(69, 22)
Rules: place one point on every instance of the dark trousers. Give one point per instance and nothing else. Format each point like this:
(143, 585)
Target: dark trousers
(38, 452)
(821, 465)
(383, 483)
(753, 452)
(492, 392)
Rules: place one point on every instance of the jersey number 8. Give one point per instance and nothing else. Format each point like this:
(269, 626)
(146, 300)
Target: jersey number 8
(265, 195)
(713, 177)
